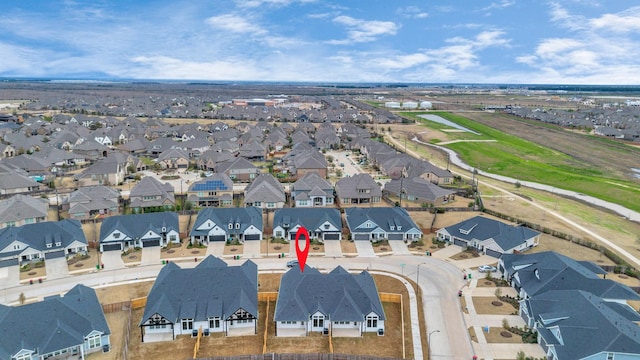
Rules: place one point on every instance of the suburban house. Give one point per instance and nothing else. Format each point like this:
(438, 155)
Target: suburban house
(16, 181)
(69, 325)
(418, 190)
(239, 170)
(321, 223)
(426, 170)
(91, 202)
(212, 297)
(108, 171)
(532, 274)
(312, 190)
(219, 224)
(337, 303)
(41, 241)
(380, 223)
(215, 190)
(151, 193)
(173, 159)
(264, 192)
(21, 209)
(575, 324)
(490, 237)
(357, 190)
(139, 230)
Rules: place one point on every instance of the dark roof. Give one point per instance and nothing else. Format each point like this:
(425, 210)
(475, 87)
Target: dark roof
(38, 235)
(310, 218)
(482, 228)
(63, 322)
(587, 325)
(382, 217)
(224, 216)
(135, 226)
(338, 294)
(210, 289)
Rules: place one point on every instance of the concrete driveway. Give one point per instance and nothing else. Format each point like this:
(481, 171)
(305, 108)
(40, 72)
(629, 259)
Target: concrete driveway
(364, 248)
(251, 249)
(56, 268)
(9, 276)
(216, 248)
(332, 248)
(151, 255)
(399, 247)
(112, 260)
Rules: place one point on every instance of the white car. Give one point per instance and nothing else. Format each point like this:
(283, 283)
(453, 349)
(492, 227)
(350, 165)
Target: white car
(487, 268)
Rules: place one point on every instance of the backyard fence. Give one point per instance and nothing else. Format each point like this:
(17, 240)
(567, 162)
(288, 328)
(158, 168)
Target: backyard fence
(312, 356)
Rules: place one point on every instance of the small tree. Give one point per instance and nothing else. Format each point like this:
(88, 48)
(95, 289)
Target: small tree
(505, 324)
(521, 355)
(518, 184)
(498, 293)
(22, 298)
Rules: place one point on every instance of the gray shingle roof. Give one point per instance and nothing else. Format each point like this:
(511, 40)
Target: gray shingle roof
(348, 187)
(224, 216)
(338, 294)
(587, 324)
(264, 188)
(136, 225)
(210, 289)
(38, 235)
(63, 322)
(20, 207)
(382, 217)
(418, 188)
(482, 228)
(310, 218)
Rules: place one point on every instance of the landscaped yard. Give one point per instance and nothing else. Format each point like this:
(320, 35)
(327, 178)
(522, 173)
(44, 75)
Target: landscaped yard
(490, 305)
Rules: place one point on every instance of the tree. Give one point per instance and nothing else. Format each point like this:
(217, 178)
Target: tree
(521, 355)
(518, 185)
(22, 298)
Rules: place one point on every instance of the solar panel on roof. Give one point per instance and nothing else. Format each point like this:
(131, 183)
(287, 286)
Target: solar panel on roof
(210, 185)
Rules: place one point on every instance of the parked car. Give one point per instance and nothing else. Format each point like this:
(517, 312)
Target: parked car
(292, 263)
(487, 268)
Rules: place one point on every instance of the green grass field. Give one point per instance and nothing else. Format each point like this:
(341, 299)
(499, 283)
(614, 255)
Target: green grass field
(525, 160)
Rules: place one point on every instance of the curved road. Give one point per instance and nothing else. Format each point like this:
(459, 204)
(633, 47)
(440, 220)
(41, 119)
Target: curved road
(439, 282)
(632, 215)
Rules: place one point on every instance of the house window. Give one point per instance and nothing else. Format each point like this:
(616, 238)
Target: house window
(271, 204)
(58, 243)
(237, 225)
(392, 227)
(610, 356)
(368, 225)
(49, 246)
(288, 322)
(230, 226)
(29, 221)
(214, 323)
(372, 321)
(303, 202)
(318, 321)
(116, 235)
(172, 238)
(326, 226)
(94, 341)
(257, 204)
(11, 223)
(16, 246)
(187, 324)
(23, 357)
(278, 233)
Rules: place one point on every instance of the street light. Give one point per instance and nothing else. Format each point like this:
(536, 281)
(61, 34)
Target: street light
(429, 341)
(418, 278)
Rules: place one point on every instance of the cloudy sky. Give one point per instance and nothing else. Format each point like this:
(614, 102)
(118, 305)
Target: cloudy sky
(465, 41)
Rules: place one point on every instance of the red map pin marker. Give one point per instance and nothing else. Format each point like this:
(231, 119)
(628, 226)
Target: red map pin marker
(302, 254)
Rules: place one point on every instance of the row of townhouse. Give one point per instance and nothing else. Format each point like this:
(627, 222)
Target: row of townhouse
(246, 224)
(216, 298)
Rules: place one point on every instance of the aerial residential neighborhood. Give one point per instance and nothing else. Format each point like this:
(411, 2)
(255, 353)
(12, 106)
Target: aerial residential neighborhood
(183, 232)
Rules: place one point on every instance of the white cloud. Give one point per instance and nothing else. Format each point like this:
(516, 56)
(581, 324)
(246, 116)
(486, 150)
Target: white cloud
(363, 31)
(499, 5)
(413, 12)
(274, 3)
(627, 21)
(235, 24)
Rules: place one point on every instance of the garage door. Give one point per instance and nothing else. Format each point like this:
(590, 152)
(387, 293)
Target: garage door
(9, 262)
(111, 247)
(54, 254)
(360, 236)
(493, 253)
(395, 236)
(332, 236)
(459, 243)
(252, 237)
(150, 243)
(217, 237)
